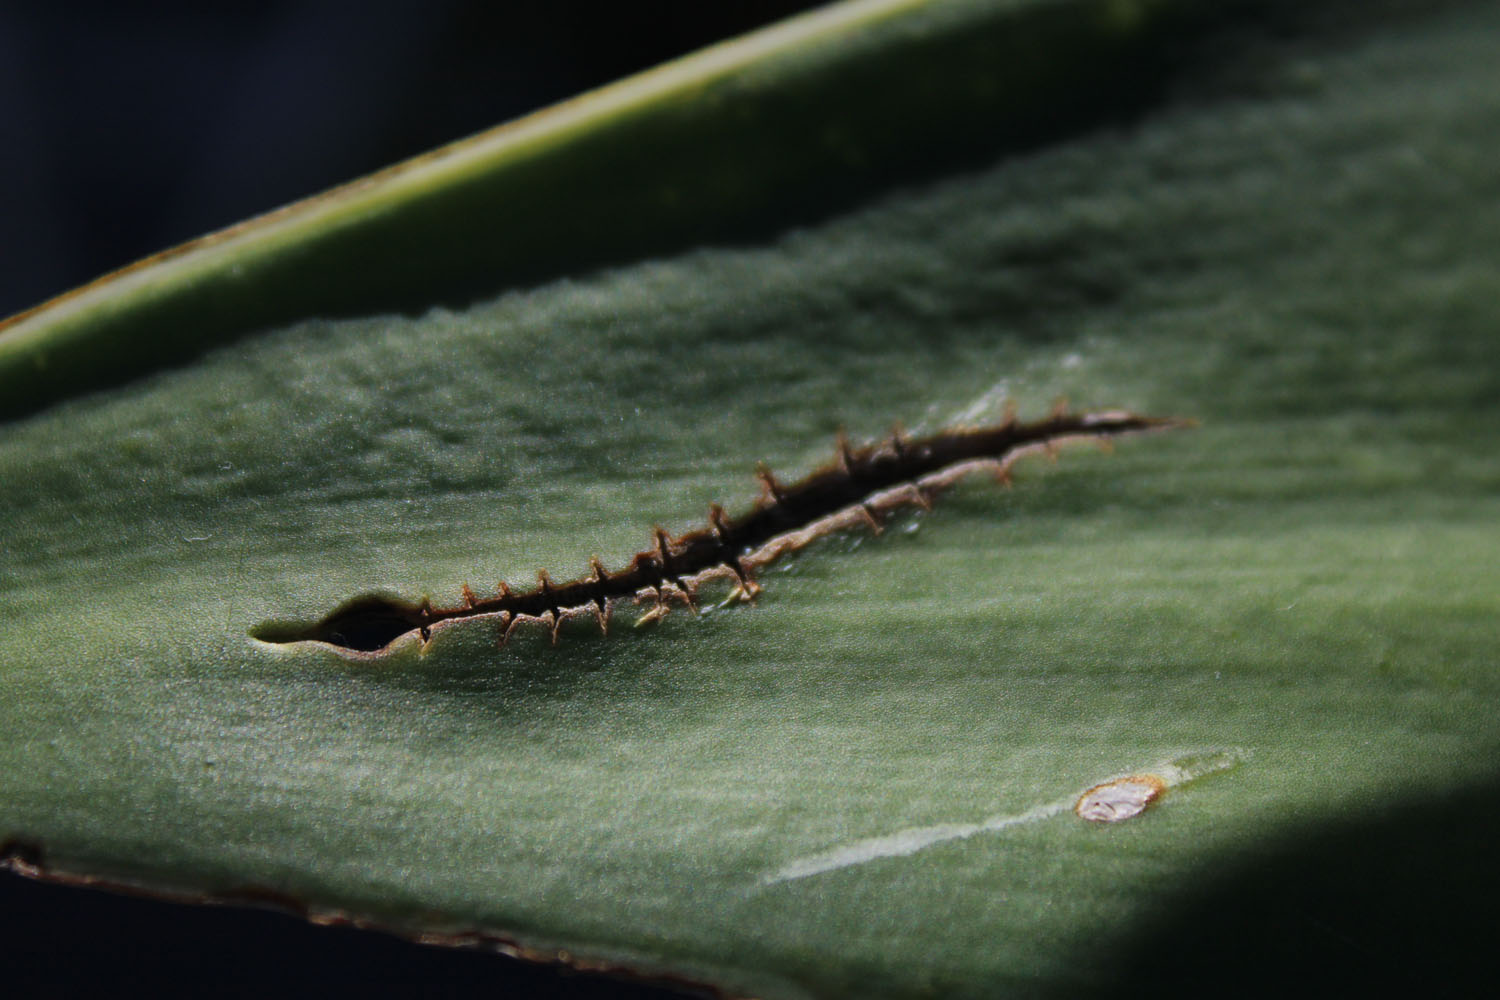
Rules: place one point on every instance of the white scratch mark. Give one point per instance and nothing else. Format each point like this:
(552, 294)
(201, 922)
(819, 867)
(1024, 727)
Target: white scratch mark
(1178, 771)
(904, 842)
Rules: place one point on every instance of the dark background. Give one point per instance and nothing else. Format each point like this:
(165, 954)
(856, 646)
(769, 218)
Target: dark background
(125, 129)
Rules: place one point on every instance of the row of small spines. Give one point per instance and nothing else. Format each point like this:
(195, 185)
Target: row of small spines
(854, 475)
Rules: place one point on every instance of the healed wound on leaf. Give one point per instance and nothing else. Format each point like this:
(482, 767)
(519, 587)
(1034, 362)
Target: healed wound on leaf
(859, 487)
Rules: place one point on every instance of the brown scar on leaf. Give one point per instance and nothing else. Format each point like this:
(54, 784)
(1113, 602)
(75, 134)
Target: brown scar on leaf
(1120, 799)
(859, 488)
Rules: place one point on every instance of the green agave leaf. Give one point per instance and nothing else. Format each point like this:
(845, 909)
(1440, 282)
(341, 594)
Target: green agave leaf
(865, 784)
(734, 142)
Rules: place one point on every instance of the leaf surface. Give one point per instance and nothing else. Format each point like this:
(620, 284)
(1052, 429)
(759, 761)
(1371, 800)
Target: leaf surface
(864, 784)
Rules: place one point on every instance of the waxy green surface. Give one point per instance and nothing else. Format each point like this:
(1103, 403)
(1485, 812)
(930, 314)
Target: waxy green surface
(1301, 255)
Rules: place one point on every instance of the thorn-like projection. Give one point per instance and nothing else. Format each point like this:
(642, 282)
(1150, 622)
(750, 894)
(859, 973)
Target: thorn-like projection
(771, 491)
(745, 587)
(550, 611)
(601, 603)
(845, 454)
(669, 571)
(860, 485)
(916, 495)
(658, 611)
(510, 619)
(898, 442)
(718, 523)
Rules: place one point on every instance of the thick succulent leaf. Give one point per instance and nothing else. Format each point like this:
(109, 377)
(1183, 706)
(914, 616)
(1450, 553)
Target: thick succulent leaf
(864, 784)
(734, 142)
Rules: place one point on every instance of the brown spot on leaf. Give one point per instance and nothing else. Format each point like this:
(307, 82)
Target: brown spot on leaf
(1120, 799)
(859, 487)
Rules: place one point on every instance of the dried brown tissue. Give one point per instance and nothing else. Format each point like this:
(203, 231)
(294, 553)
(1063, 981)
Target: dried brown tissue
(859, 488)
(1120, 799)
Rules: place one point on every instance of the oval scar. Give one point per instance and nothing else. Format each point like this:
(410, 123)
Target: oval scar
(1120, 799)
